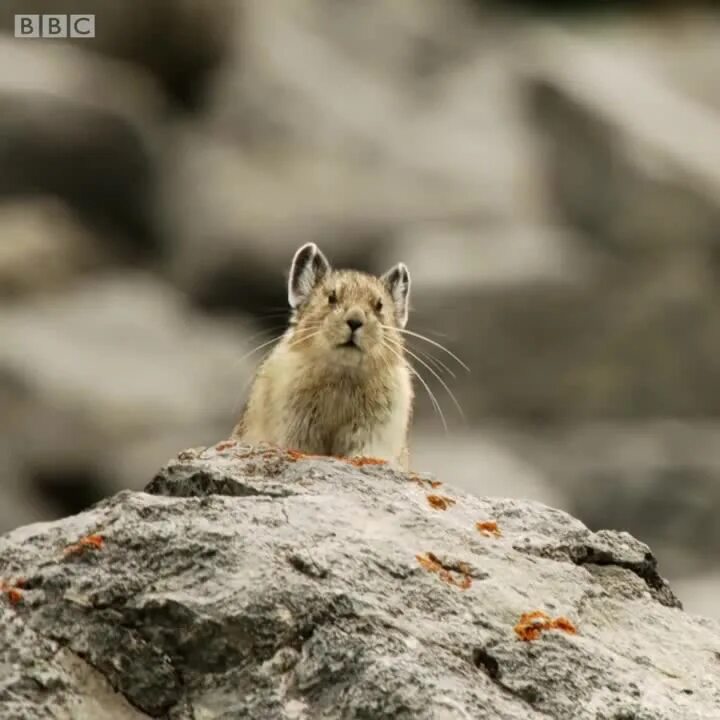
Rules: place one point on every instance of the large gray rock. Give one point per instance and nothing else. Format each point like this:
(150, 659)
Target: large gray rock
(44, 247)
(180, 43)
(99, 384)
(42, 679)
(632, 160)
(617, 316)
(659, 480)
(345, 125)
(83, 129)
(255, 583)
(576, 351)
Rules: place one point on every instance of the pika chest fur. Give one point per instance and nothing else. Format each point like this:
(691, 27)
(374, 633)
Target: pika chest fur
(338, 382)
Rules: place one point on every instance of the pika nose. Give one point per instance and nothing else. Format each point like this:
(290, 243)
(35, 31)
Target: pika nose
(355, 318)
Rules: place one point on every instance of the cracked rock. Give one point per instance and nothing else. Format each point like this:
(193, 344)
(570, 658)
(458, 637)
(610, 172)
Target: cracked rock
(215, 595)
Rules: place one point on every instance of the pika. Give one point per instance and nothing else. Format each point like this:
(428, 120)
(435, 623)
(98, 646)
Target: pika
(338, 382)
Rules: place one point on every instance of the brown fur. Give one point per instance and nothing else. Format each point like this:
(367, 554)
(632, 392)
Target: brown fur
(313, 395)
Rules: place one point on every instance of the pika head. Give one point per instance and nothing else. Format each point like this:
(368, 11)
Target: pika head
(355, 317)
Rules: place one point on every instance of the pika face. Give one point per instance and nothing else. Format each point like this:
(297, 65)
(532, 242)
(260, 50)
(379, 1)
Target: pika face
(354, 316)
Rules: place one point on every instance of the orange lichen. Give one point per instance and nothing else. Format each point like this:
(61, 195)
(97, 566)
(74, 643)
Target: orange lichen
(461, 577)
(94, 542)
(489, 528)
(299, 455)
(464, 582)
(532, 624)
(296, 455)
(440, 502)
(429, 562)
(564, 624)
(362, 461)
(358, 461)
(422, 482)
(12, 590)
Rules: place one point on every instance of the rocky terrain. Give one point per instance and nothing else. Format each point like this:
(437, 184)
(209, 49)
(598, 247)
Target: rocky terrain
(551, 180)
(260, 583)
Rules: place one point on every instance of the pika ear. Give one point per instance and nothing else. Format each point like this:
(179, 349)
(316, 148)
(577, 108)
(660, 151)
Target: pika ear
(397, 282)
(309, 266)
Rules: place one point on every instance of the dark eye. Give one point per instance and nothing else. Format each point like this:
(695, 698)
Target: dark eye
(378, 306)
(332, 298)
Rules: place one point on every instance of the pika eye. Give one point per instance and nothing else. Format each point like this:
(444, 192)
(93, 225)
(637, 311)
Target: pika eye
(378, 306)
(332, 298)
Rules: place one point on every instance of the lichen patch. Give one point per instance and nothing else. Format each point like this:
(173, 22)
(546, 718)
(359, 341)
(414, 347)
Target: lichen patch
(532, 624)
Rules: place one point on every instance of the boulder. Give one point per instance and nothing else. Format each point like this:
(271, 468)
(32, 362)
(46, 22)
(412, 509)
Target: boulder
(85, 130)
(45, 247)
(99, 383)
(180, 44)
(41, 679)
(659, 480)
(632, 160)
(567, 352)
(259, 583)
(344, 125)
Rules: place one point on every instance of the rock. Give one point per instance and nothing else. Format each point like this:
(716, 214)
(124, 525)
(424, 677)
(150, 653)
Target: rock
(484, 255)
(657, 479)
(41, 679)
(103, 381)
(632, 161)
(180, 44)
(629, 346)
(85, 130)
(257, 583)
(505, 471)
(614, 315)
(680, 47)
(45, 247)
(344, 126)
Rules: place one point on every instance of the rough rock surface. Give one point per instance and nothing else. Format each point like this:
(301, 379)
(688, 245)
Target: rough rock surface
(254, 583)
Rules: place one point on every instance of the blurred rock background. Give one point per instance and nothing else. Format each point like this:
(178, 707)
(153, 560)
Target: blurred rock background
(549, 171)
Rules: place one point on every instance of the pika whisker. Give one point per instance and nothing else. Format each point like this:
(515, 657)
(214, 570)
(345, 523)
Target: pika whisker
(439, 379)
(337, 381)
(436, 344)
(433, 360)
(431, 395)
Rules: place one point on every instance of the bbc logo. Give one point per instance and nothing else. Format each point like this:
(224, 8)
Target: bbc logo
(54, 26)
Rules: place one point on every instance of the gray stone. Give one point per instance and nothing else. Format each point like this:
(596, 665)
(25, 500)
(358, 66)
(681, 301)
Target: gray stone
(657, 479)
(344, 125)
(101, 383)
(83, 129)
(180, 44)
(628, 347)
(253, 583)
(632, 161)
(44, 247)
(39, 678)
